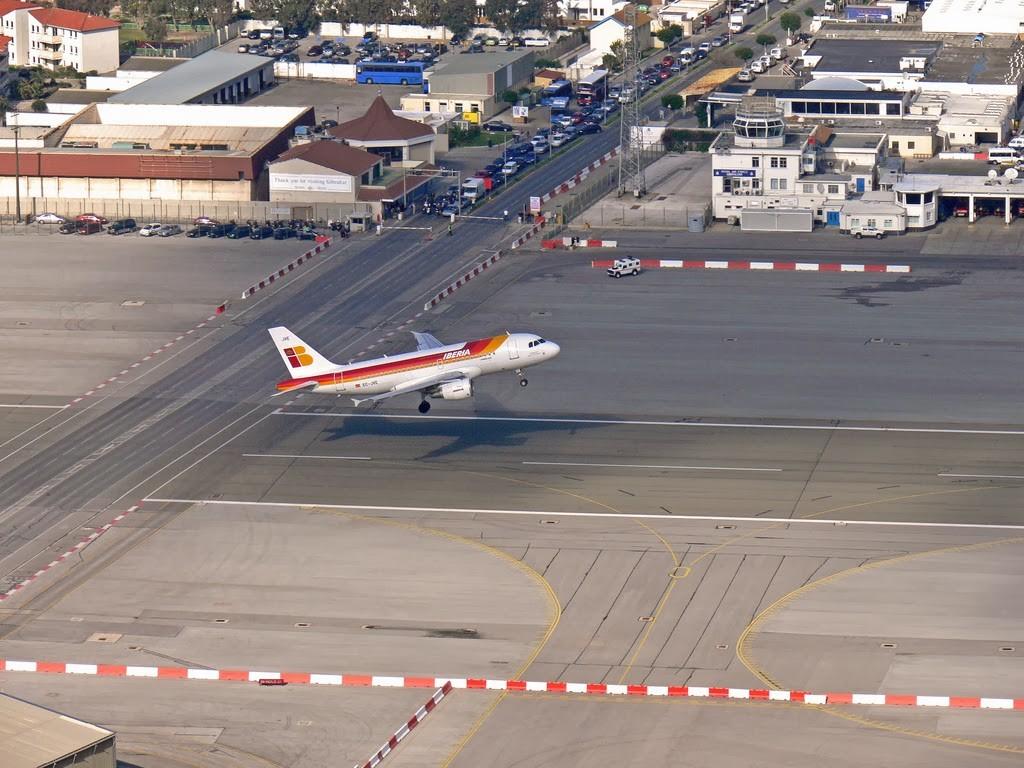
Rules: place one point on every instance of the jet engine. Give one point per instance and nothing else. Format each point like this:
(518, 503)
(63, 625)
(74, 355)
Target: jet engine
(456, 390)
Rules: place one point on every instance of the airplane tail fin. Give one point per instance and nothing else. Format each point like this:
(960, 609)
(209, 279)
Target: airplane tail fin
(299, 358)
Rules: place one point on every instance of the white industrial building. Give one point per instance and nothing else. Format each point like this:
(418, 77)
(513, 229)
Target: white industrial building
(763, 166)
(990, 17)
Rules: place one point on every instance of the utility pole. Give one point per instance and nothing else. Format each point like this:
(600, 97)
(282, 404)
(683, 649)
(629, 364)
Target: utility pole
(631, 168)
(17, 175)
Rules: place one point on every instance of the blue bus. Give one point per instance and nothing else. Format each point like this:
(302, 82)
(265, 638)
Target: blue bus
(390, 73)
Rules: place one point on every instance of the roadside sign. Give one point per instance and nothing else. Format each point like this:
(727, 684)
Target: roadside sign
(534, 204)
(520, 111)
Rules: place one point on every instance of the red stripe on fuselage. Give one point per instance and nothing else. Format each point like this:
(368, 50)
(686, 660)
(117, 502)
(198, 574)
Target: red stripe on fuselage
(385, 367)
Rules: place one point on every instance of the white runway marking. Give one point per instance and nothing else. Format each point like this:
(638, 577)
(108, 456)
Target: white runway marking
(994, 477)
(623, 515)
(304, 456)
(24, 405)
(627, 423)
(647, 466)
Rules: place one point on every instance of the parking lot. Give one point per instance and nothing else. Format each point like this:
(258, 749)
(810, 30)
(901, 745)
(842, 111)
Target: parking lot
(83, 308)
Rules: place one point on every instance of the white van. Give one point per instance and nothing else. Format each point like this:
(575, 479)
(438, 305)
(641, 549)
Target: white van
(1017, 142)
(536, 42)
(1003, 155)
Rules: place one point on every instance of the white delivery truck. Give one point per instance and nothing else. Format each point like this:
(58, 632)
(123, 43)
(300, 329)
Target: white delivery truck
(737, 23)
(474, 190)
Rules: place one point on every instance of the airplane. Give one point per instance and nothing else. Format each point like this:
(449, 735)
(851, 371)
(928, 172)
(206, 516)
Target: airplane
(434, 370)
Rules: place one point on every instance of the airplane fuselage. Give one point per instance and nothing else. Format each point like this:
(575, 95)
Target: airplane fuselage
(469, 359)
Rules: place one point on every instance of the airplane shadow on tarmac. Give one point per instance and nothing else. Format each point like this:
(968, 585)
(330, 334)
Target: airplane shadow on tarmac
(465, 434)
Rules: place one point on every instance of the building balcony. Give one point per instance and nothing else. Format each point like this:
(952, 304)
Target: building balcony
(49, 55)
(49, 39)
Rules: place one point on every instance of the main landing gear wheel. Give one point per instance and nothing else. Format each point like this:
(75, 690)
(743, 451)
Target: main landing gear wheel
(523, 382)
(424, 406)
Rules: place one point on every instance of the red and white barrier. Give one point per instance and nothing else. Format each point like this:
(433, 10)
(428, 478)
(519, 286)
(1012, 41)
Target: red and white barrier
(567, 242)
(568, 184)
(593, 689)
(452, 287)
(767, 266)
(82, 544)
(537, 227)
(272, 278)
(407, 728)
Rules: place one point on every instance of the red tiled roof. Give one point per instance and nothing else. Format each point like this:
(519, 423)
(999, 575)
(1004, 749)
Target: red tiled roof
(642, 19)
(380, 124)
(333, 155)
(65, 19)
(6, 6)
(4, 42)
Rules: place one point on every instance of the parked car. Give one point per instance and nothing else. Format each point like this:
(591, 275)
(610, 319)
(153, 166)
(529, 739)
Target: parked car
(150, 229)
(220, 230)
(718, 42)
(867, 231)
(90, 217)
(239, 232)
(668, 61)
(540, 144)
(510, 168)
(200, 230)
(204, 220)
(243, 48)
(68, 228)
(262, 233)
(496, 126)
(49, 218)
(122, 226)
(283, 233)
(558, 139)
(89, 227)
(168, 230)
(745, 76)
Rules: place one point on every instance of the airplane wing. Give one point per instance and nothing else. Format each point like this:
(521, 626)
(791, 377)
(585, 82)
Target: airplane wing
(418, 385)
(426, 341)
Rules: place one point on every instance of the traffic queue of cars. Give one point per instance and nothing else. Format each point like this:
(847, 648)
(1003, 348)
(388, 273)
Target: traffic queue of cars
(202, 226)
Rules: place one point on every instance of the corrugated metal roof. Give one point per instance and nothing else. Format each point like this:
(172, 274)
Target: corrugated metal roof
(31, 736)
(192, 79)
(162, 137)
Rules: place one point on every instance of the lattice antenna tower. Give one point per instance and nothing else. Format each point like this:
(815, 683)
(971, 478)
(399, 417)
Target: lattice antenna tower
(631, 169)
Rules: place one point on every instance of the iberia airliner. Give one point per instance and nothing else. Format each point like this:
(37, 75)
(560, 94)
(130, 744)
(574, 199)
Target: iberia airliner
(433, 370)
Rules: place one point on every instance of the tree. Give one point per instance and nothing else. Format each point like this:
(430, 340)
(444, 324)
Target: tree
(764, 39)
(428, 12)
(508, 15)
(457, 15)
(217, 12)
(670, 33)
(509, 96)
(301, 13)
(155, 28)
(672, 101)
(809, 12)
(39, 105)
(743, 54)
(790, 22)
(5, 105)
(95, 7)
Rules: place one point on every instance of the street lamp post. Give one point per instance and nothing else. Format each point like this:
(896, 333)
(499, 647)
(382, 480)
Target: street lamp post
(17, 175)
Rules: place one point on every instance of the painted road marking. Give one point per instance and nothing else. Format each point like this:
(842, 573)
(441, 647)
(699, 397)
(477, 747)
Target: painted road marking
(647, 466)
(304, 456)
(622, 515)
(994, 477)
(639, 423)
(24, 405)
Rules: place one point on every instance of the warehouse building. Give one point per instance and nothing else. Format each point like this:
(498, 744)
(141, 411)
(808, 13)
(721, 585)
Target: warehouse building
(216, 77)
(35, 737)
(171, 153)
(472, 84)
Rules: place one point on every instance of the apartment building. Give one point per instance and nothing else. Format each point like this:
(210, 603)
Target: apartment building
(56, 37)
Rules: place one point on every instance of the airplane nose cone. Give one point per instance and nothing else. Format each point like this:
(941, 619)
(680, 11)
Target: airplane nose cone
(553, 349)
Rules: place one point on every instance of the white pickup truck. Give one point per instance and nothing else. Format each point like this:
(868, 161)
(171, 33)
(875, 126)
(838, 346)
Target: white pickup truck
(622, 267)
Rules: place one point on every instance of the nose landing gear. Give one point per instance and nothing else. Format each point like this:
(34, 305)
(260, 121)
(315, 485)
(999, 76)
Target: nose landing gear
(424, 406)
(523, 381)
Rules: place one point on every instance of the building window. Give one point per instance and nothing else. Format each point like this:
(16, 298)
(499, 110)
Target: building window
(871, 109)
(892, 109)
(928, 197)
(798, 107)
(912, 198)
(727, 184)
(755, 162)
(842, 108)
(857, 108)
(910, 144)
(887, 223)
(783, 184)
(833, 189)
(775, 162)
(755, 183)
(458, 106)
(872, 223)
(808, 189)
